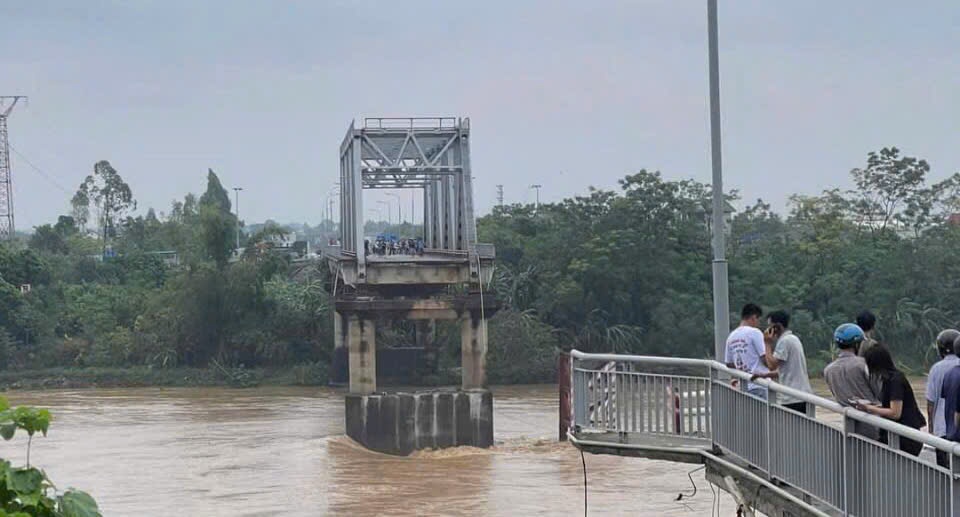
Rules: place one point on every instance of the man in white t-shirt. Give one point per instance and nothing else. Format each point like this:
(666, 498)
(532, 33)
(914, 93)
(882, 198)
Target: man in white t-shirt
(745, 349)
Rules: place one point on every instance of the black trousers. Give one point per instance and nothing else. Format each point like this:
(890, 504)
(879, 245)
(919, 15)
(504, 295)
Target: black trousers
(799, 407)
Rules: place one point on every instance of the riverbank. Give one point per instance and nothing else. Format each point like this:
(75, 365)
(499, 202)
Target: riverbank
(128, 377)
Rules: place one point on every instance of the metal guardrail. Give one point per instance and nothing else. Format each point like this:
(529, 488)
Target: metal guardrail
(839, 463)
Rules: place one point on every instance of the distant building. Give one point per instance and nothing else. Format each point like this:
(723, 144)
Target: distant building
(169, 258)
(953, 219)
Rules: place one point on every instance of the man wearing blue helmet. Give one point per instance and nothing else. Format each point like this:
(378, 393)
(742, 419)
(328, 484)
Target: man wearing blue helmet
(847, 375)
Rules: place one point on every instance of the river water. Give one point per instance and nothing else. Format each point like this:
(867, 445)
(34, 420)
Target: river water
(281, 451)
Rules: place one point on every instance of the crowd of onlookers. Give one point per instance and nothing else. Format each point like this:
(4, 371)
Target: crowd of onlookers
(863, 375)
(390, 245)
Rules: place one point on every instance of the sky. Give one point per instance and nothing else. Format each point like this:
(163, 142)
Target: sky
(563, 94)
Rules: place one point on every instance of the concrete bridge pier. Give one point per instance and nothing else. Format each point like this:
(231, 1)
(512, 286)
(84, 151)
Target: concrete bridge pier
(473, 350)
(399, 423)
(362, 347)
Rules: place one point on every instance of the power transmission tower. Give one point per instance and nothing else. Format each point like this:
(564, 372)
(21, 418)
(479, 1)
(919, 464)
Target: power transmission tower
(500, 195)
(6, 178)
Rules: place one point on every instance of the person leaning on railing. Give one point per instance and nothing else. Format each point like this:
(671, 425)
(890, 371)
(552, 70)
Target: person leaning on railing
(950, 391)
(847, 375)
(897, 401)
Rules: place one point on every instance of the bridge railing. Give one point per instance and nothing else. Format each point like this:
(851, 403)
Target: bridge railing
(829, 452)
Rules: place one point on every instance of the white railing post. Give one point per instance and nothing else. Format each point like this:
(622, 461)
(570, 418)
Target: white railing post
(848, 429)
(954, 465)
(771, 400)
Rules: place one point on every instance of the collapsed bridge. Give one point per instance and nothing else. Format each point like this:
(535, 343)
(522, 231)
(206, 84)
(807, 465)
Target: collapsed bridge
(445, 282)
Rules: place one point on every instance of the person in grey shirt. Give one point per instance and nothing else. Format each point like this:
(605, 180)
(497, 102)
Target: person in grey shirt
(847, 376)
(785, 356)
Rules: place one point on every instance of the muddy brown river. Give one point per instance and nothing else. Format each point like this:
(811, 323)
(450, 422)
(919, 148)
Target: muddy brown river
(281, 451)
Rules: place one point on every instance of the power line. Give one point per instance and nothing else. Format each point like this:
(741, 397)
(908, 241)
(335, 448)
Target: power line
(39, 171)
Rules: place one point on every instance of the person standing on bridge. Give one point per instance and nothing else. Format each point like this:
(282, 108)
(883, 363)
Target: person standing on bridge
(950, 391)
(934, 395)
(897, 401)
(847, 376)
(745, 349)
(786, 359)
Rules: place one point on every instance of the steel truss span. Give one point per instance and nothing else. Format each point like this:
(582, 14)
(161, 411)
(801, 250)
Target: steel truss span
(431, 154)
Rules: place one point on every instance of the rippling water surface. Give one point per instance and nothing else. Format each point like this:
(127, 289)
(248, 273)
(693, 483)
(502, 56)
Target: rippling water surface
(267, 451)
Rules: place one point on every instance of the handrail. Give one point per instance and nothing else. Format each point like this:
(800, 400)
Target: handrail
(699, 412)
(855, 414)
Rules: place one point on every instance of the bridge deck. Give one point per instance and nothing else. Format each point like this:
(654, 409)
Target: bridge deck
(825, 461)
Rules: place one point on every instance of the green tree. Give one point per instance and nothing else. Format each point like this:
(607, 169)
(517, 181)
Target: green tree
(110, 195)
(217, 224)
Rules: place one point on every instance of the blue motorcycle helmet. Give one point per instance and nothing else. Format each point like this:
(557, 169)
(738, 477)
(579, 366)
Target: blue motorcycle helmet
(848, 335)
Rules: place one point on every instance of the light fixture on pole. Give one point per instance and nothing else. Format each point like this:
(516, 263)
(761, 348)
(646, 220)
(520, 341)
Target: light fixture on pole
(236, 204)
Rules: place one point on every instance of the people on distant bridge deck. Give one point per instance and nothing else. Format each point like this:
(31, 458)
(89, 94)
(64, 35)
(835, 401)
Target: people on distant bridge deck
(784, 356)
(745, 350)
(897, 401)
(934, 395)
(950, 394)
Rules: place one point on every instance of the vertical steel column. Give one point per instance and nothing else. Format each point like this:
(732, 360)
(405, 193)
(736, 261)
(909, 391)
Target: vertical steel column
(357, 195)
(444, 212)
(469, 231)
(428, 214)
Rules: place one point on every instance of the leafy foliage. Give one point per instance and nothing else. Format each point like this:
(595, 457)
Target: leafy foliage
(628, 270)
(26, 491)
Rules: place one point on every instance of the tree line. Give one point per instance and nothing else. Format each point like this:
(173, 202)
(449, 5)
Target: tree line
(623, 270)
(628, 270)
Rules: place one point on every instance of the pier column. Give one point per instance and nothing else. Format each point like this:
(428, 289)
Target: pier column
(339, 366)
(473, 349)
(363, 354)
(426, 338)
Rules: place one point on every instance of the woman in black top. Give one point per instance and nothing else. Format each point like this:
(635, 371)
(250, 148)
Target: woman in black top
(897, 402)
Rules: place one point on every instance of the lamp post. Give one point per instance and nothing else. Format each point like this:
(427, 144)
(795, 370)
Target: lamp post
(387, 203)
(397, 197)
(721, 298)
(537, 187)
(236, 197)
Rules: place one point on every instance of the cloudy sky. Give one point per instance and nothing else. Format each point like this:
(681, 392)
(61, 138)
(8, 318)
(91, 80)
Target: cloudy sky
(565, 94)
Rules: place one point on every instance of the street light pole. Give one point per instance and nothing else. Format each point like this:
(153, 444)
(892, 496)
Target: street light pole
(399, 216)
(721, 296)
(236, 196)
(537, 187)
(389, 220)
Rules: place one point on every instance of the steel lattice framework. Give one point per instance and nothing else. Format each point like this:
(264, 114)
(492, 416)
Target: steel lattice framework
(7, 227)
(431, 154)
